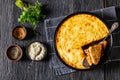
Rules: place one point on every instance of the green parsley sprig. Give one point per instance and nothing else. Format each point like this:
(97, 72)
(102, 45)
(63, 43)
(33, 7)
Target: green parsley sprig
(31, 13)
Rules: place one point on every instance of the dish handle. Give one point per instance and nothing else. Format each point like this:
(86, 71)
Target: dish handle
(115, 50)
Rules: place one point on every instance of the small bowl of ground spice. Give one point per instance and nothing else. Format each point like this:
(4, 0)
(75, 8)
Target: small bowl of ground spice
(19, 32)
(14, 53)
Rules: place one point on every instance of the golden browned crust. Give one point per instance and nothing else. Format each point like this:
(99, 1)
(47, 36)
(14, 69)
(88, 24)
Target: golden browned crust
(104, 44)
(95, 52)
(88, 57)
(76, 32)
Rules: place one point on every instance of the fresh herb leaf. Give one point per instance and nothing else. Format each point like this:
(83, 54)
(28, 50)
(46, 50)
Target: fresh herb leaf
(31, 14)
(19, 4)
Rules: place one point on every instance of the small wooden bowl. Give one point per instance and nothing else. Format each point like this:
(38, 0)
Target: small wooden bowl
(14, 32)
(20, 53)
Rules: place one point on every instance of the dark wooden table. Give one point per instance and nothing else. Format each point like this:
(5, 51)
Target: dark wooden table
(40, 70)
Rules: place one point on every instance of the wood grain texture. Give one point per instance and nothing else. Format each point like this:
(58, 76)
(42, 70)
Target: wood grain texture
(6, 25)
(85, 5)
(112, 70)
(0, 38)
(112, 3)
(19, 70)
(40, 70)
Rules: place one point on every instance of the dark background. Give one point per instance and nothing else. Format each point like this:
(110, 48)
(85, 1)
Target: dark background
(40, 70)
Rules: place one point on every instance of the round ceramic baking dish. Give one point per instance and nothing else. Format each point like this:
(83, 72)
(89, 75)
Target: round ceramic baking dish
(108, 55)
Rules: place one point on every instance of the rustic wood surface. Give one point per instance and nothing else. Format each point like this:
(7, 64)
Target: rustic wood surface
(40, 70)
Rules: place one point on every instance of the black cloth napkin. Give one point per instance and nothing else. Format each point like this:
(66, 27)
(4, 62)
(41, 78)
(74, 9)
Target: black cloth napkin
(109, 14)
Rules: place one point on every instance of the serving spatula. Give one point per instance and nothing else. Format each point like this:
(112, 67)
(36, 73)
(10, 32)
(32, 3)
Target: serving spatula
(113, 27)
